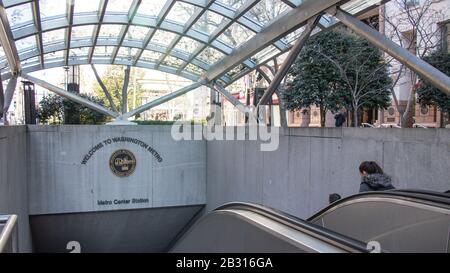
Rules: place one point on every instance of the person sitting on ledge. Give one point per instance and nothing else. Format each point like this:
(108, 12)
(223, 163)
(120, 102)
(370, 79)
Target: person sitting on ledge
(373, 178)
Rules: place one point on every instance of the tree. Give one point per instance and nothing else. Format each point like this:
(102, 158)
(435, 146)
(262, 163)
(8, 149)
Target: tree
(52, 109)
(430, 95)
(313, 80)
(337, 69)
(363, 72)
(113, 80)
(410, 24)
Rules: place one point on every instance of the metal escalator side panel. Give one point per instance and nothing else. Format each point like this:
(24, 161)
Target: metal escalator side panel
(244, 231)
(400, 224)
(419, 196)
(346, 242)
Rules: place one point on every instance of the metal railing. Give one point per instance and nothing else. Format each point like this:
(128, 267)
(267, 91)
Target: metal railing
(8, 234)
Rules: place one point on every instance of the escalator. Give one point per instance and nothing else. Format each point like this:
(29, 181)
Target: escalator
(250, 228)
(398, 221)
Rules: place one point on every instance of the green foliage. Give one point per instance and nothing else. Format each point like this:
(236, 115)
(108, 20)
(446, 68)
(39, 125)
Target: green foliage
(313, 79)
(336, 70)
(113, 80)
(54, 109)
(427, 93)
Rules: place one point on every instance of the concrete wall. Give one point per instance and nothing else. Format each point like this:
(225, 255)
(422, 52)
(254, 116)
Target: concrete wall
(60, 183)
(311, 163)
(13, 180)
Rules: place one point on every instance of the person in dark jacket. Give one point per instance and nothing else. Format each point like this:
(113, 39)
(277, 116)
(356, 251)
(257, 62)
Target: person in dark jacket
(373, 178)
(340, 119)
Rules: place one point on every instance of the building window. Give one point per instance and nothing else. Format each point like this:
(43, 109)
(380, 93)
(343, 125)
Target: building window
(445, 35)
(412, 3)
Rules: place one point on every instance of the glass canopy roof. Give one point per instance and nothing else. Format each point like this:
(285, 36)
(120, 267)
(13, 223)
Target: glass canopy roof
(183, 37)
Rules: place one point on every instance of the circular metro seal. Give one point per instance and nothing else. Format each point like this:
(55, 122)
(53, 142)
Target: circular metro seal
(122, 163)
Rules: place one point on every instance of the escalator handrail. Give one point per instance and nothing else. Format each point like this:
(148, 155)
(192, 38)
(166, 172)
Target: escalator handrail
(426, 193)
(9, 222)
(299, 224)
(418, 196)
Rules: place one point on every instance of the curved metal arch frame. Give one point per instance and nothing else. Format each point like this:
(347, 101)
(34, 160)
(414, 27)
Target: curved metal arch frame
(87, 42)
(38, 27)
(114, 42)
(57, 46)
(35, 66)
(269, 35)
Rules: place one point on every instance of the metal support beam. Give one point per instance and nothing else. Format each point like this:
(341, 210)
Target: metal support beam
(162, 99)
(422, 68)
(289, 3)
(9, 93)
(249, 4)
(2, 96)
(70, 96)
(287, 23)
(225, 24)
(131, 13)
(7, 42)
(70, 6)
(37, 22)
(126, 81)
(189, 24)
(161, 16)
(101, 14)
(236, 103)
(105, 90)
(312, 23)
(283, 119)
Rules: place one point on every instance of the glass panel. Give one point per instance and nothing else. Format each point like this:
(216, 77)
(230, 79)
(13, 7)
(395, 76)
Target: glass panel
(194, 69)
(180, 12)
(78, 52)
(163, 37)
(236, 35)
(103, 50)
(49, 9)
(209, 22)
(110, 31)
(19, 14)
(265, 54)
(232, 3)
(2, 52)
(26, 43)
(187, 45)
(53, 55)
(137, 33)
(292, 37)
(54, 35)
(267, 10)
(119, 6)
(172, 61)
(238, 69)
(358, 5)
(30, 61)
(82, 31)
(149, 55)
(86, 6)
(127, 52)
(210, 55)
(151, 7)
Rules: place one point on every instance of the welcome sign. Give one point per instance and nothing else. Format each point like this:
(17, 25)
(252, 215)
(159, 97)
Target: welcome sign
(110, 141)
(98, 168)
